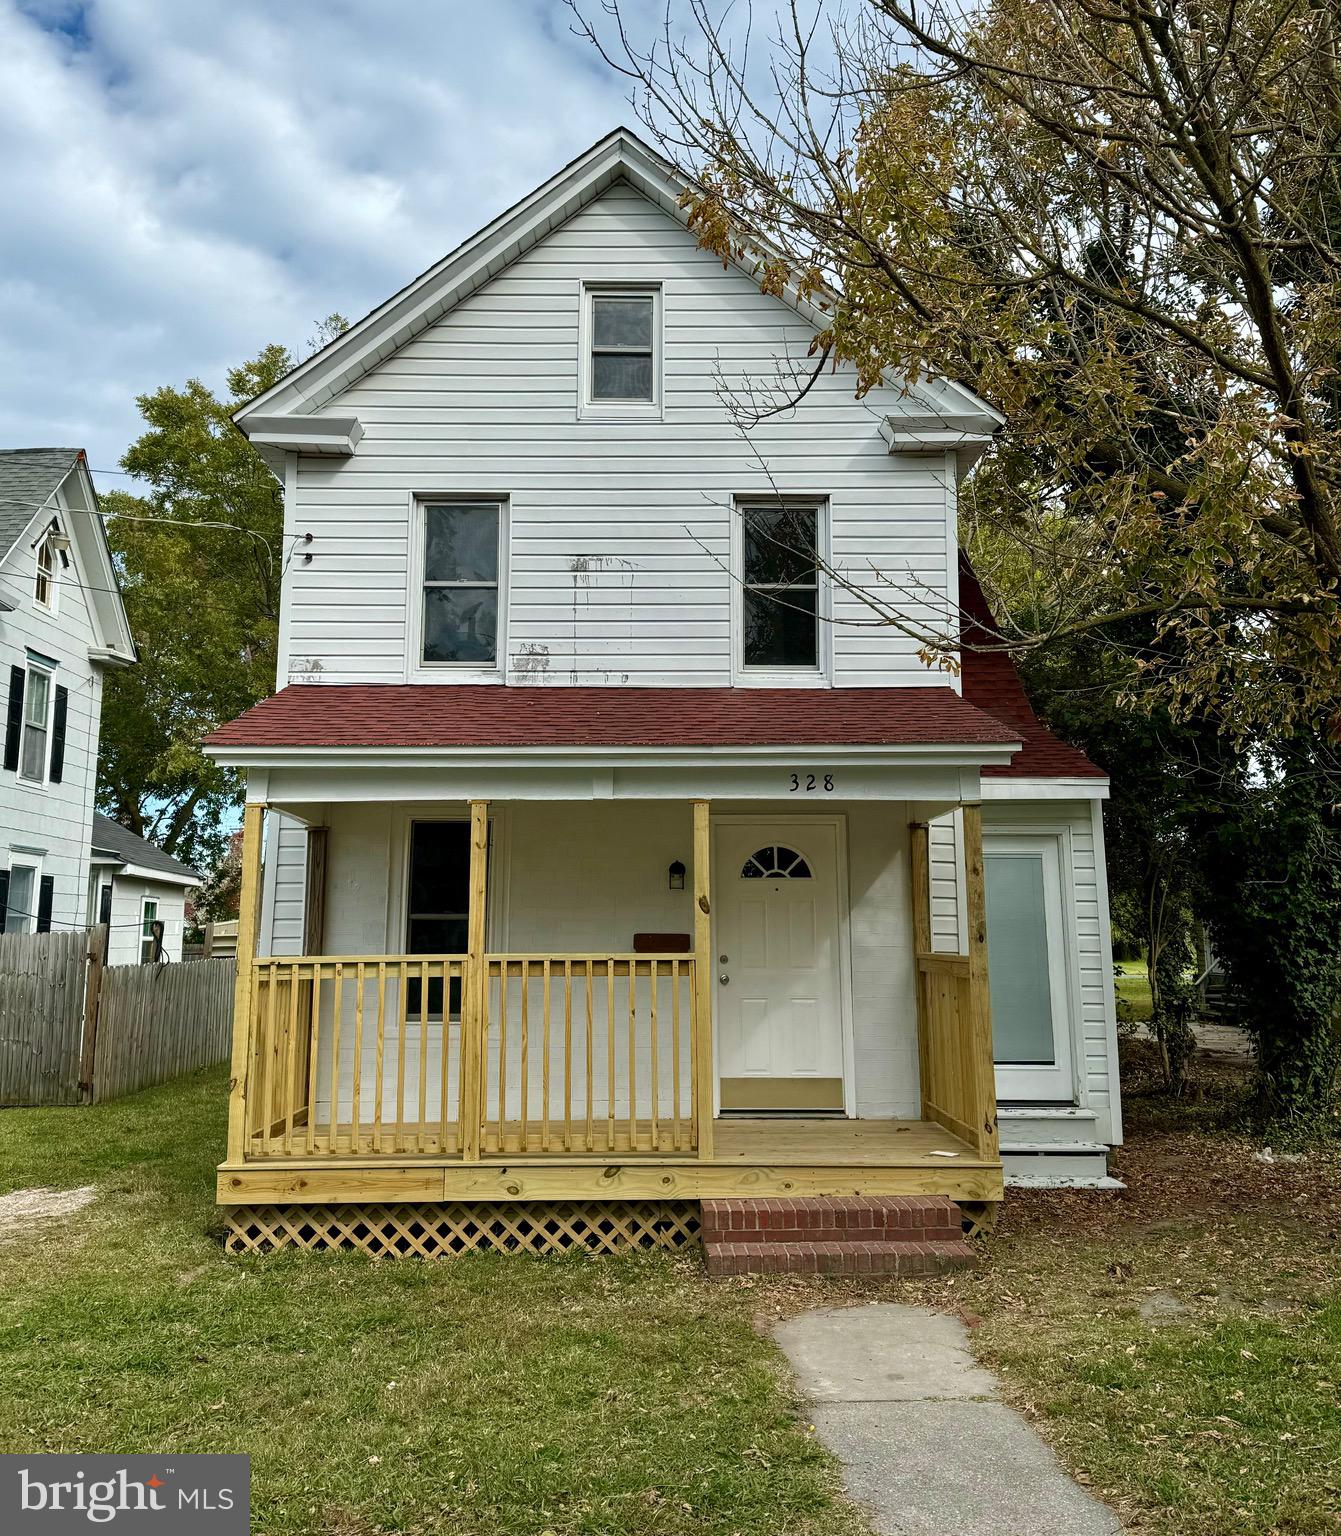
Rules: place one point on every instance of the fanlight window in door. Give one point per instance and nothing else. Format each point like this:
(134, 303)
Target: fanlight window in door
(775, 863)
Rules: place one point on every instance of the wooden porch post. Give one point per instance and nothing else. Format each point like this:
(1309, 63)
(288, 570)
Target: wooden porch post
(919, 864)
(984, 1071)
(474, 984)
(705, 1084)
(248, 921)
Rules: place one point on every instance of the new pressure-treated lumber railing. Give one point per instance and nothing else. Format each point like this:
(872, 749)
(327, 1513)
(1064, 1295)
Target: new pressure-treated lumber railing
(422, 1055)
(954, 1023)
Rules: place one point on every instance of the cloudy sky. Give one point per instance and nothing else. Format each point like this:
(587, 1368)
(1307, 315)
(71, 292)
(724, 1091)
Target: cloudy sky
(183, 181)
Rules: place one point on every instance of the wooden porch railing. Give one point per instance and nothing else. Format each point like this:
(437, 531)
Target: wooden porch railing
(954, 1025)
(354, 1055)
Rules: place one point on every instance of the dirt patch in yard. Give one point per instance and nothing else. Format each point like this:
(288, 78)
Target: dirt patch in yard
(25, 1208)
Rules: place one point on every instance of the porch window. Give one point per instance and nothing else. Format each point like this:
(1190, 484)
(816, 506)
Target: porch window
(780, 587)
(461, 561)
(439, 903)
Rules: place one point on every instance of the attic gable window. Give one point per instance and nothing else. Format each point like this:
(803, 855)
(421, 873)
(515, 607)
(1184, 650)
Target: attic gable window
(622, 345)
(44, 584)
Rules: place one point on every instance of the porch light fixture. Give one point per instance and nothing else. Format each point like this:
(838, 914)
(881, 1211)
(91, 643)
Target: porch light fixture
(677, 876)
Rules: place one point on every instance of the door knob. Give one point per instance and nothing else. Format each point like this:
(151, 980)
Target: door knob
(723, 978)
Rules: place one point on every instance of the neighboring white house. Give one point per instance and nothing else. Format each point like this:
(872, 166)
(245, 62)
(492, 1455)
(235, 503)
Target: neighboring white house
(62, 625)
(139, 892)
(538, 570)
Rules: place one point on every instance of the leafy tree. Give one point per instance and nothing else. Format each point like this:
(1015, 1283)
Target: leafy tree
(200, 556)
(1272, 899)
(1072, 207)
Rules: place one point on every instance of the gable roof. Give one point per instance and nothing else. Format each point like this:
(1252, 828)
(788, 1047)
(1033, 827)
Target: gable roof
(39, 484)
(991, 682)
(111, 837)
(29, 478)
(620, 156)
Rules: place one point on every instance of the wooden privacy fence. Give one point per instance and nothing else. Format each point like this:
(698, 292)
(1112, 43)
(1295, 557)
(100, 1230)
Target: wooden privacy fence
(574, 1053)
(155, 1022)
(41, 1016)
(73, 1030)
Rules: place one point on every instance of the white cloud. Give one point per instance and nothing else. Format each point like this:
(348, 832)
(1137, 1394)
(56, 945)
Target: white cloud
(183, 181)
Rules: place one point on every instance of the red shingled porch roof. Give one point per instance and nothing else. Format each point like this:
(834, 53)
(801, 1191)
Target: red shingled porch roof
(468, 715)
(993, 711)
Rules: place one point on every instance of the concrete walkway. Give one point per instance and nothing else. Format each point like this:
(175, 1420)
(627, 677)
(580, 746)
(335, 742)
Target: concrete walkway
(926, 1444)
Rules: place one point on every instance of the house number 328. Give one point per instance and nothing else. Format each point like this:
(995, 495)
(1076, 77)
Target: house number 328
(809, 783)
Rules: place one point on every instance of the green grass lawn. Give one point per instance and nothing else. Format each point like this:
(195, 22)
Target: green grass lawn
(484, 1394)
(1133, 990)
(622, 1396)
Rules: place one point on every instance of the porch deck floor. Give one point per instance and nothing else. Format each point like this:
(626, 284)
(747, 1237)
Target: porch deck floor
(780, 1142)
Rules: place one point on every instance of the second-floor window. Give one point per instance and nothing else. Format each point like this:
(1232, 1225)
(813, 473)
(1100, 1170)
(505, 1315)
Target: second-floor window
(780, 587)
(462, 542)
(36, 726)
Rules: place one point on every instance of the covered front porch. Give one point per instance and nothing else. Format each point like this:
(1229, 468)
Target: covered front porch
(549, 1074)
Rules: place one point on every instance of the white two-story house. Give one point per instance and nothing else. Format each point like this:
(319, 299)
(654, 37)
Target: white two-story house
(62, 625)
(615, 848)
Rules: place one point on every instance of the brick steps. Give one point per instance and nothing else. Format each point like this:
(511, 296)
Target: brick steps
(853, 1235)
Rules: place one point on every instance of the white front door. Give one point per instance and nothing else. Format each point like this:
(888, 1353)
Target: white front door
(779, 993)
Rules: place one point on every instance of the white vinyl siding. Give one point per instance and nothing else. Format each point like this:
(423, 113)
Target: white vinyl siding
(619, 530)
(284, 887)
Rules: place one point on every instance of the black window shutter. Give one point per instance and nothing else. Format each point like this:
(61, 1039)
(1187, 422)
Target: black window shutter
(4, 897)
(105, 905)
(45, 892)
(57, 766)
(14, 719)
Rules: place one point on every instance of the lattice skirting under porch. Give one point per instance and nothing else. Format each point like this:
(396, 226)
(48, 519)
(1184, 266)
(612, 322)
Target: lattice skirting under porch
(440, 1231)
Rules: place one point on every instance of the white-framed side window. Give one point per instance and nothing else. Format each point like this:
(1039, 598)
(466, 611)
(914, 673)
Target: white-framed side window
(620, 339)
(149, 945)
(459, 586)
(46, 583)
(780, 599)
(1028, 966)
(23, 886)
(35, 741)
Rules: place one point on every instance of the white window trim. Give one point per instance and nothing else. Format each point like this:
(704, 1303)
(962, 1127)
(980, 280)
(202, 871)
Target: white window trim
(1056, 1083)
(821, 674)
(619, 410)
(142, 937)
(53, 581)
(34, 862)
(50, 674)
(417, 670)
